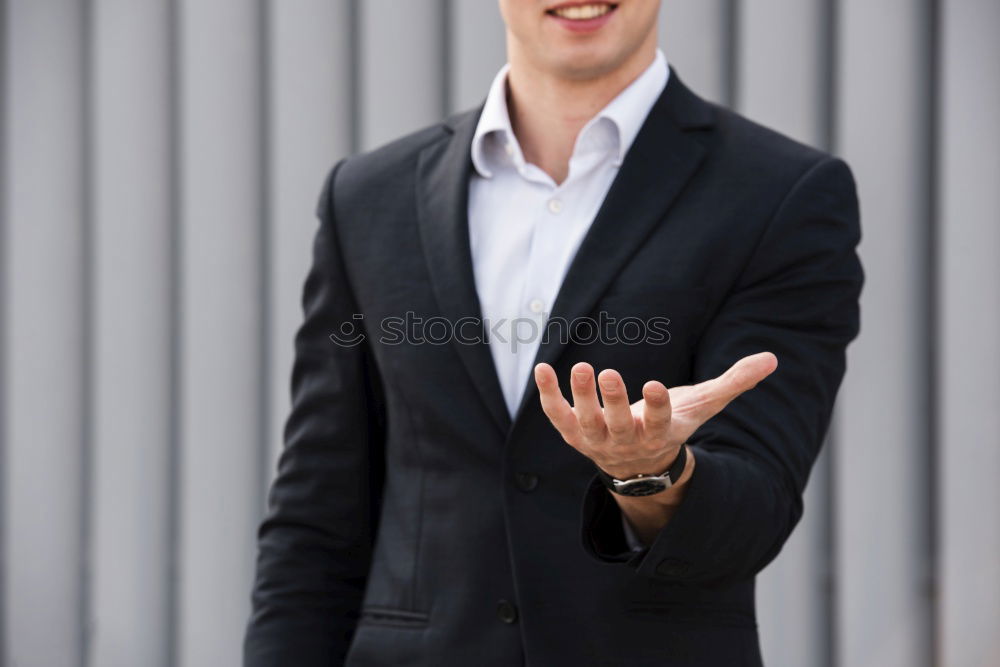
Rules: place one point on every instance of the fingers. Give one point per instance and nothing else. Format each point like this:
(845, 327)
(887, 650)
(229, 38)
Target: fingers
(617, 411)
(585, 404)
(656, 411)
(555, 406)
(661, 415)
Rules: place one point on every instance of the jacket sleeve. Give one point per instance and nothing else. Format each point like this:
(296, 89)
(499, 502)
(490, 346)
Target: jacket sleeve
(315, 544)
(796, 297)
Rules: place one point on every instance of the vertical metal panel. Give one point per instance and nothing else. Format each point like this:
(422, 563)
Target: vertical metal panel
(478, 49)
(782, 72)
(131, 390)
(221, 218)
(694, 35)
(782, 77)
(402, 78)
(4, 282)
(310, 120)
(44, 260)
(969, 326)
(882, 480)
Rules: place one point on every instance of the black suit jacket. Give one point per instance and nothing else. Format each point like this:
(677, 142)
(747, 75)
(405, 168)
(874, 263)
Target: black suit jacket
(413, 522)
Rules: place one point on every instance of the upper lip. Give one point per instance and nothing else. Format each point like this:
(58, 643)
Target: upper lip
(578, 3)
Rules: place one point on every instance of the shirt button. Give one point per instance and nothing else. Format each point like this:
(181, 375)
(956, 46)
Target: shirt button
(526, 481)
(506, 612)
(555, 205)
(536, 305)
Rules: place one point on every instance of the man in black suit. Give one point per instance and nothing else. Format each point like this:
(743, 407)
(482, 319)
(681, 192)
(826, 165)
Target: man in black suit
(433, 505)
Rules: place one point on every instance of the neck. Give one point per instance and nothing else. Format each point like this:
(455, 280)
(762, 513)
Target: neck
(547, 111)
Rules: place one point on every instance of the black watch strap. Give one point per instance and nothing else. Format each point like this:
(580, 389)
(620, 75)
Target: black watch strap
(673, 473)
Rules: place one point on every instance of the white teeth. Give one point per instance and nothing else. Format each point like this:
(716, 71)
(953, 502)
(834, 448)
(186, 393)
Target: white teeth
(582, 12)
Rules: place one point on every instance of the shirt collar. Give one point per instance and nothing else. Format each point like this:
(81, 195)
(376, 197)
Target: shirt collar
(494, 131)
(494, 134)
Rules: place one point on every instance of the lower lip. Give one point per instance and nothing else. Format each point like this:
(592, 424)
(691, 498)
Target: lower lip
(584, 25)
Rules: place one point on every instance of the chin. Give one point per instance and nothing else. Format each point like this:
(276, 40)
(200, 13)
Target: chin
(585, 63)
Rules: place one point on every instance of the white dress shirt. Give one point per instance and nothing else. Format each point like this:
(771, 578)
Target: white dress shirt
(524, 229)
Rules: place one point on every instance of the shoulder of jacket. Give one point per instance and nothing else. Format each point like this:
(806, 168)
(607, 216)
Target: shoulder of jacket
(400, 153)
(758, 144)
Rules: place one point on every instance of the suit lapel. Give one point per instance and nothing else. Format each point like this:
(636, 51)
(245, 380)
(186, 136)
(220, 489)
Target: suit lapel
(443, 173)
(660, 161)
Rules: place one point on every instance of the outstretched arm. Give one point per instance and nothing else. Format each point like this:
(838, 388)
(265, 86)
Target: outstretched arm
(798, 298)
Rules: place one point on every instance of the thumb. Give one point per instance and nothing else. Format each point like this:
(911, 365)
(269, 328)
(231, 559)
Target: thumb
(747, 372)
(711, 396)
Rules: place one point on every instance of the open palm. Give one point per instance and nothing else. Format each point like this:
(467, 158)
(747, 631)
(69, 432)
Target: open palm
(643, 437)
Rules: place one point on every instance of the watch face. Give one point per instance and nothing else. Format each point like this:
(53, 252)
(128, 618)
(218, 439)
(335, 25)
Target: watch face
(640, 487)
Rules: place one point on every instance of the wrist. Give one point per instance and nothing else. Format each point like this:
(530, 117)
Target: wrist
(647, 515)
(658, 474)
(646, 467)
(670, 497)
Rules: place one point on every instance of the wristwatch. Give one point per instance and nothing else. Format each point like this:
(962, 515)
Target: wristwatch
(646, 485)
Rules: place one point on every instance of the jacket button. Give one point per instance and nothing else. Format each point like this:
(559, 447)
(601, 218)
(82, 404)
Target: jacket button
(672, 567)
(506, 611)
(526, 481)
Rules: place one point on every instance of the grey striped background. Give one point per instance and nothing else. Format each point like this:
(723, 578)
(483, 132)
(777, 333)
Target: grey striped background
(160, 165)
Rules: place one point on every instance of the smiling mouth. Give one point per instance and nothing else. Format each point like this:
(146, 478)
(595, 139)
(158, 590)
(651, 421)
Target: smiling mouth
(582, 12)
